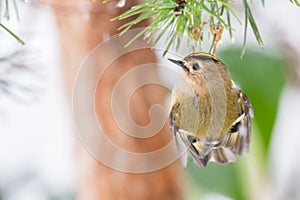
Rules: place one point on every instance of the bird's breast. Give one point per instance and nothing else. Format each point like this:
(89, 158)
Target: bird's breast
(204, 117)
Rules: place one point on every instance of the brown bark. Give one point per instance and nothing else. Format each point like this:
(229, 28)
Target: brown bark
(80, 31)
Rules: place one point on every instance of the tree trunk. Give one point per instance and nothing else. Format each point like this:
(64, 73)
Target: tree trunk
(82, 25)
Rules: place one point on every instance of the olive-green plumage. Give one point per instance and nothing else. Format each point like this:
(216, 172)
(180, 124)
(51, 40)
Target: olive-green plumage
(209, 114)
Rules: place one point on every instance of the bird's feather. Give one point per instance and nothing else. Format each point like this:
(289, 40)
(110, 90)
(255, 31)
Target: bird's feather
(210, 115)
(240, 133)
(231, 145)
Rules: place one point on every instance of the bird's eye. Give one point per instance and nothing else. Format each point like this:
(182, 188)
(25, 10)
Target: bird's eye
(196, 66)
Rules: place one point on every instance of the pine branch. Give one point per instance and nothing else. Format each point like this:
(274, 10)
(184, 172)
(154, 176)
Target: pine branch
(249, 17)
(7, 17)
(16, 65)
(187, 17)
(12, 34)
(295, 2)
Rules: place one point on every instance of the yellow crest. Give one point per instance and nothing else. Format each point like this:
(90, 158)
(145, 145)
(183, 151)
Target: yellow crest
(203, 55)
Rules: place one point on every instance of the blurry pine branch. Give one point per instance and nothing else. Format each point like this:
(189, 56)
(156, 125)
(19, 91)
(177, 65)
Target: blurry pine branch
(194, 18)
(16, 81)
(7, 15)
(295, 2)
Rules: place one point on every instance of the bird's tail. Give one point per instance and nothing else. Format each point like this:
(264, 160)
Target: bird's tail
(222, 155)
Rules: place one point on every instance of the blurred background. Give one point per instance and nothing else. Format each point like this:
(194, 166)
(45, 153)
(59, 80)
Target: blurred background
(39, 156)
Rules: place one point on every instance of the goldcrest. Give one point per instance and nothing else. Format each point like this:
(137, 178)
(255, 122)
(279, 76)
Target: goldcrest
(209, 114)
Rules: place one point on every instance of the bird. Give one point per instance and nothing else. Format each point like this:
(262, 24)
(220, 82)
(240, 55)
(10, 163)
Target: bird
(209, 115)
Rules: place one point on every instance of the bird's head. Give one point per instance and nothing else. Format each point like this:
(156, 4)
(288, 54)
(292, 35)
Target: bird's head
(202, 66)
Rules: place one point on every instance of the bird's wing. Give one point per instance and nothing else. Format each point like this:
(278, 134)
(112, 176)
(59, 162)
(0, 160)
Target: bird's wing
(238, 138)
(174, 118)
(186, 140)
(240, 132)
(199, 151)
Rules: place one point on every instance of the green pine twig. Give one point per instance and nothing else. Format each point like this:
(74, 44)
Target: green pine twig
(249, 17)
(295, 2)
(182, 16)
(7, 17)
(12, 34)
(186, 17)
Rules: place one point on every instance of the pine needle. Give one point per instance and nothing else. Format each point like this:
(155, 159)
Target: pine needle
(7, 16)
(185, 17)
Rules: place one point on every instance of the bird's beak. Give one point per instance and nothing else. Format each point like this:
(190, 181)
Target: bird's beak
(179, 63)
